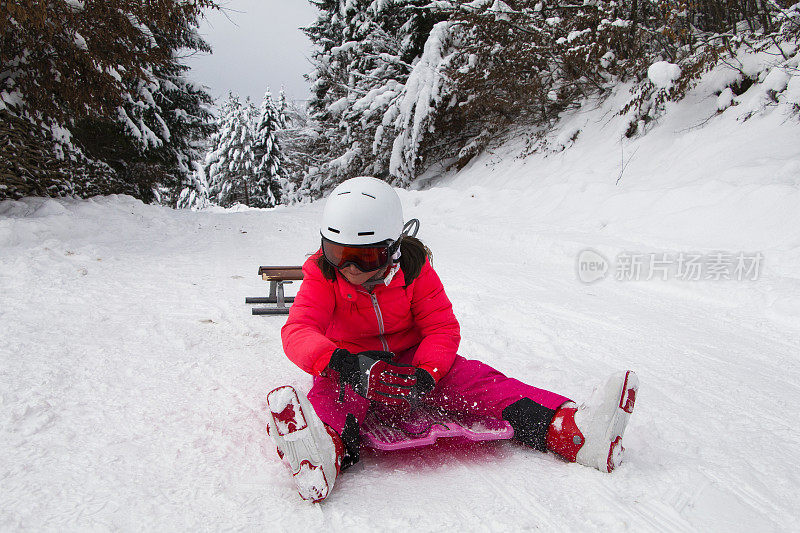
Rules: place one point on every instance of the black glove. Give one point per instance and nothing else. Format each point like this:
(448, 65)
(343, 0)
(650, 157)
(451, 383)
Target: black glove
(423, 384)
(372, 376)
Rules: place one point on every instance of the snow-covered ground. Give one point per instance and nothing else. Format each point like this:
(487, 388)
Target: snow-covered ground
(133, 376)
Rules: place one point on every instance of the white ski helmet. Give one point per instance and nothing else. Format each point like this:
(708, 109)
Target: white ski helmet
(362, 210)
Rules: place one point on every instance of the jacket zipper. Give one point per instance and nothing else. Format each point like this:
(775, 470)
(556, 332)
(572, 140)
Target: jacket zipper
(379, 316)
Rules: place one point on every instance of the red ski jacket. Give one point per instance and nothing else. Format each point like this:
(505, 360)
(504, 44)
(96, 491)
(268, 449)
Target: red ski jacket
(336, 314)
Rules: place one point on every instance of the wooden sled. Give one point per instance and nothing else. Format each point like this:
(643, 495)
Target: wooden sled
(277, 276)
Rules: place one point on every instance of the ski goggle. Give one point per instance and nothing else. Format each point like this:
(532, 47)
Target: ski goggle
(366, 258)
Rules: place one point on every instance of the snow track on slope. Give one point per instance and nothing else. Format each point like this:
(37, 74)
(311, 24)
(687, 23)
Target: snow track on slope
(133, 386)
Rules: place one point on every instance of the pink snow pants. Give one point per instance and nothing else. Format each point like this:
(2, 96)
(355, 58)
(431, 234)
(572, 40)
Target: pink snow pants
(470, 387)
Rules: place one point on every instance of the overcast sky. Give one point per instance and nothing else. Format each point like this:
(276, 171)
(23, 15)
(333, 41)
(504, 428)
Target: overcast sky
(256, 44)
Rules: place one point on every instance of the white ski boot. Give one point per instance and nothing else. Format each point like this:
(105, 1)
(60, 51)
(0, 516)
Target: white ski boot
(591, 434)
(308, 448)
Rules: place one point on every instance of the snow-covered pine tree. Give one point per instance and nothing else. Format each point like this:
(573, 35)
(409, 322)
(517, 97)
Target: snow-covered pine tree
(231, 161)
(365, 51)
(412, 116)
(215, 163)
(491, 66)
(159, 129)
(402, 85)
(282, 108)
(196, 194)
(300, 148)
(183, 111)
(269, 179)
(113, 49)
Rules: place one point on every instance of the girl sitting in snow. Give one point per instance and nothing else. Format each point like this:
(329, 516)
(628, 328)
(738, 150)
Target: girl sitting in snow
(372, 323)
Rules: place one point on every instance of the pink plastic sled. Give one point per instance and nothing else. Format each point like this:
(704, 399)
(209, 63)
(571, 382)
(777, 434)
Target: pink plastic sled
(422, 427)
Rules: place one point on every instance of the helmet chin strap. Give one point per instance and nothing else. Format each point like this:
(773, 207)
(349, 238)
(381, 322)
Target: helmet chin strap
(392, 271)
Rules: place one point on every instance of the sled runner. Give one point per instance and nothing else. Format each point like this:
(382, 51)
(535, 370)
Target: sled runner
(277, 277)
(424, 426)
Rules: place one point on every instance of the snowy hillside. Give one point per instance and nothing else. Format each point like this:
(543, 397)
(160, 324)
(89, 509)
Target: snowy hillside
(133, 377)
